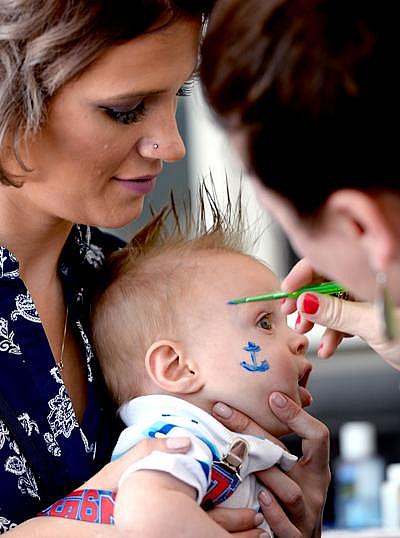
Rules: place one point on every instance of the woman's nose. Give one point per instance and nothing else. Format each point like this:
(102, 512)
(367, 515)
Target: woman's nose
(174, 150)
(166, 144)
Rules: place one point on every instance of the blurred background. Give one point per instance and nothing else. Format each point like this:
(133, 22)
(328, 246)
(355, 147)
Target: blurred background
(355, 384)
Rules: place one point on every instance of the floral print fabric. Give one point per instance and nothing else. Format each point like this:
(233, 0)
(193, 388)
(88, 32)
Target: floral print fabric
(32, 387)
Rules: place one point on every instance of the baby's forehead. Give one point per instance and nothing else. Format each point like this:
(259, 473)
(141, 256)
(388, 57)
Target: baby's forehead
(218, 267)
(211, 280)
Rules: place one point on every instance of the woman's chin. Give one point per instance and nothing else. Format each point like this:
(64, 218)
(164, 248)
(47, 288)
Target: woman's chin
(117, 220)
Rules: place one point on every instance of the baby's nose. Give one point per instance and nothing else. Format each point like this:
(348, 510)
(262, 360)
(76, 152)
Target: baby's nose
(299, 344)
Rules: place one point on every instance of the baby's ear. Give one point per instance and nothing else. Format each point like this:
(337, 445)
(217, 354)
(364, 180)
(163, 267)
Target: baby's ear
(170, 370)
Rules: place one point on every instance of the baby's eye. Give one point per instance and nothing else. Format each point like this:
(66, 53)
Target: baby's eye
(265, 322)
(132, 115)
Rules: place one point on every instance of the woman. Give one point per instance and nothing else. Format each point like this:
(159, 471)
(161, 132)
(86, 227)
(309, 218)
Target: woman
(308, 93)
(87, 99)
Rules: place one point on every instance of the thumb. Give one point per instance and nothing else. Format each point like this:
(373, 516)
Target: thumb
(345, 316)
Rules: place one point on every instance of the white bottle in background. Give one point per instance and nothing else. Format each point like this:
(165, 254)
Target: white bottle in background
(390, 498)
(358, 476)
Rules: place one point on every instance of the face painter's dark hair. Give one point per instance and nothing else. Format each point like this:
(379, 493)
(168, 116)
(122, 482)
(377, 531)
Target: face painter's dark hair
(45, 43)
(313, 86)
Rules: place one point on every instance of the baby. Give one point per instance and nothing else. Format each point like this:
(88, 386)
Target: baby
(170, 347)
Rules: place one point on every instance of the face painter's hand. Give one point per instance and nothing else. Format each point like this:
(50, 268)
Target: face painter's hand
(352, 317)
(292, 502)
(342, 318)
(303, 274)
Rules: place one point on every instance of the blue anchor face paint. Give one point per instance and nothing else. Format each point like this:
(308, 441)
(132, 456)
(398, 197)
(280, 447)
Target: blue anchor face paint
(254, 366)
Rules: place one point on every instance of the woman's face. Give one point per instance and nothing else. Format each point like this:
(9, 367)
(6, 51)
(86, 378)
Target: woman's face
(95, 157)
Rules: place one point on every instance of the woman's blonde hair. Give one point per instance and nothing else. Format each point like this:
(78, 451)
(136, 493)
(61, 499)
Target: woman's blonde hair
(44, 43)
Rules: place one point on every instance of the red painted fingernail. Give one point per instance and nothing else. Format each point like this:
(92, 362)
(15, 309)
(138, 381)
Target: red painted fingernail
(283, 301)
(297, 320)
(310, 303)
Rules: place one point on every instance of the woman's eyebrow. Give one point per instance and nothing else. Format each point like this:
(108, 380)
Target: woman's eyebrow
(130, 96)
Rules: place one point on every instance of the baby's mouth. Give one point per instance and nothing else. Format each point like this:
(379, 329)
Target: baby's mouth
(305, 395)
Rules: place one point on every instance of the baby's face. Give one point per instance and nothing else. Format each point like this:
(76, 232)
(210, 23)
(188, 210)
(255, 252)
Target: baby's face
(243, 352)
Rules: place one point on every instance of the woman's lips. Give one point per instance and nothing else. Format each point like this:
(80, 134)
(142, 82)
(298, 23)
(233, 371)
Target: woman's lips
(141, 185)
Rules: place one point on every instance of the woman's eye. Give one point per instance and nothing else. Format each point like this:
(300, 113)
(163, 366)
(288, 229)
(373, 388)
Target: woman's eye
(126, 117)
(265, 322)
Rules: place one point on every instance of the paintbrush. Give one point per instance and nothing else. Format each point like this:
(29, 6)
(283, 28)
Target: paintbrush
(328, 288)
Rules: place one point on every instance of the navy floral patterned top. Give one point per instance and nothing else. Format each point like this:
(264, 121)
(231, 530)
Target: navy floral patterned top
(44, 452)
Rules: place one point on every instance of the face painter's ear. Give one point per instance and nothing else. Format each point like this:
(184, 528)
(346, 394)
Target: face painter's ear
(169, 369)
(367, 222)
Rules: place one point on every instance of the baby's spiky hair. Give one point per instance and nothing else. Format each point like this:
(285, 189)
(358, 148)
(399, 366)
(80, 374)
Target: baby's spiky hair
(145, 285)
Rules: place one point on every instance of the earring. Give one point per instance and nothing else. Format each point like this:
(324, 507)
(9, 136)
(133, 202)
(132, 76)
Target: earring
(155, 146)
(385, 307)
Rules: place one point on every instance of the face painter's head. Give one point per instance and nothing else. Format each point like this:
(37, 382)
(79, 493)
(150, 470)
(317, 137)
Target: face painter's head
(308, 92)
(313, 91)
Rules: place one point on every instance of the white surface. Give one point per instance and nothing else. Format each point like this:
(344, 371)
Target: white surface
(364, 533)
(393, 472)
(357, 440)
(209, 152)
(390, 497)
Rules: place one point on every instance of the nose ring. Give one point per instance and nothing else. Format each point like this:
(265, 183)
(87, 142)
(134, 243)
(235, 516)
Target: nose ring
(155, 146)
